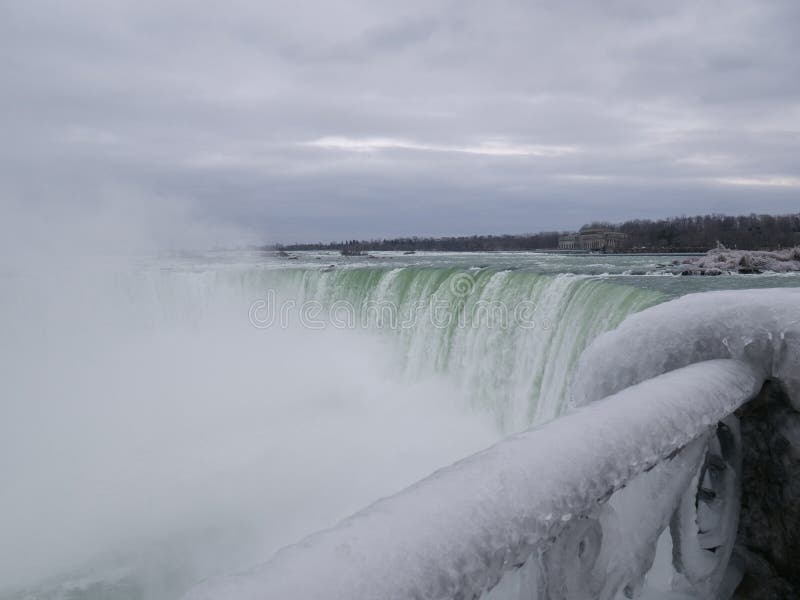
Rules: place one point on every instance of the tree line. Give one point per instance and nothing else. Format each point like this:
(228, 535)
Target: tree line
(743, 232)
(698, 233)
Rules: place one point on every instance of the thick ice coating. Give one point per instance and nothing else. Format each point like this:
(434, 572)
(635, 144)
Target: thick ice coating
(454, 534)
(758, 327)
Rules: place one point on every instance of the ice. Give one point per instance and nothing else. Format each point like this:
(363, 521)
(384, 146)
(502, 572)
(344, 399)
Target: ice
(722, 260)
(758, 327)
(457, 532)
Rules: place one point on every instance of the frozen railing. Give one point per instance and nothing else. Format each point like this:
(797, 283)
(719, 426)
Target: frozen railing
(548, 507)
(580, 507)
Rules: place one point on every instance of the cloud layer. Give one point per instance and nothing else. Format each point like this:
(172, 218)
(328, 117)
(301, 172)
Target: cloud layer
(315, 120)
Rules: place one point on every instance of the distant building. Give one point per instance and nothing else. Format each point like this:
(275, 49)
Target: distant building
(569, 242)
(592, 239)
(600, 239)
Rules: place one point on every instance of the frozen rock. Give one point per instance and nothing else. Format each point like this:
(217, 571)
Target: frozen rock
(769, 525)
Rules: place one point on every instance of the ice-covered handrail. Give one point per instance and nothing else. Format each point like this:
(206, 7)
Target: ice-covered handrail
(459, 532)
(760, 327)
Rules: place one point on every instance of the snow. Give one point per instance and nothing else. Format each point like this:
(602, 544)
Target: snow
(760, 328)
(455, 533)
(722, 260)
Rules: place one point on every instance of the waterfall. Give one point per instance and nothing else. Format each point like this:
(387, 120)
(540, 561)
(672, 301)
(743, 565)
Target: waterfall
(160, 386)
(508, 339)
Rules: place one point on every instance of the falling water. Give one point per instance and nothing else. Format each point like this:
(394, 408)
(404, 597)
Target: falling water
(162, 435)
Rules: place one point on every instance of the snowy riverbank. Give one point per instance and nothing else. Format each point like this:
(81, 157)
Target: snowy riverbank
(722, 260)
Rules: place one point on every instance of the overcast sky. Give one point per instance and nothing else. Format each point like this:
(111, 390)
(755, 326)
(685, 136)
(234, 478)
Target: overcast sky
(294, 120)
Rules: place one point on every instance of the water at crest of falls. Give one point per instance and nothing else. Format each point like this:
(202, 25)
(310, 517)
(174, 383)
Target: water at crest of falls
(157, 437)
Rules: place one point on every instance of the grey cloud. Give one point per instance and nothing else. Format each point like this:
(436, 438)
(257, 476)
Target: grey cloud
(670, 108)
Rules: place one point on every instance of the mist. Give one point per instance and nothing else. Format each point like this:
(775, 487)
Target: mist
(148, 427)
